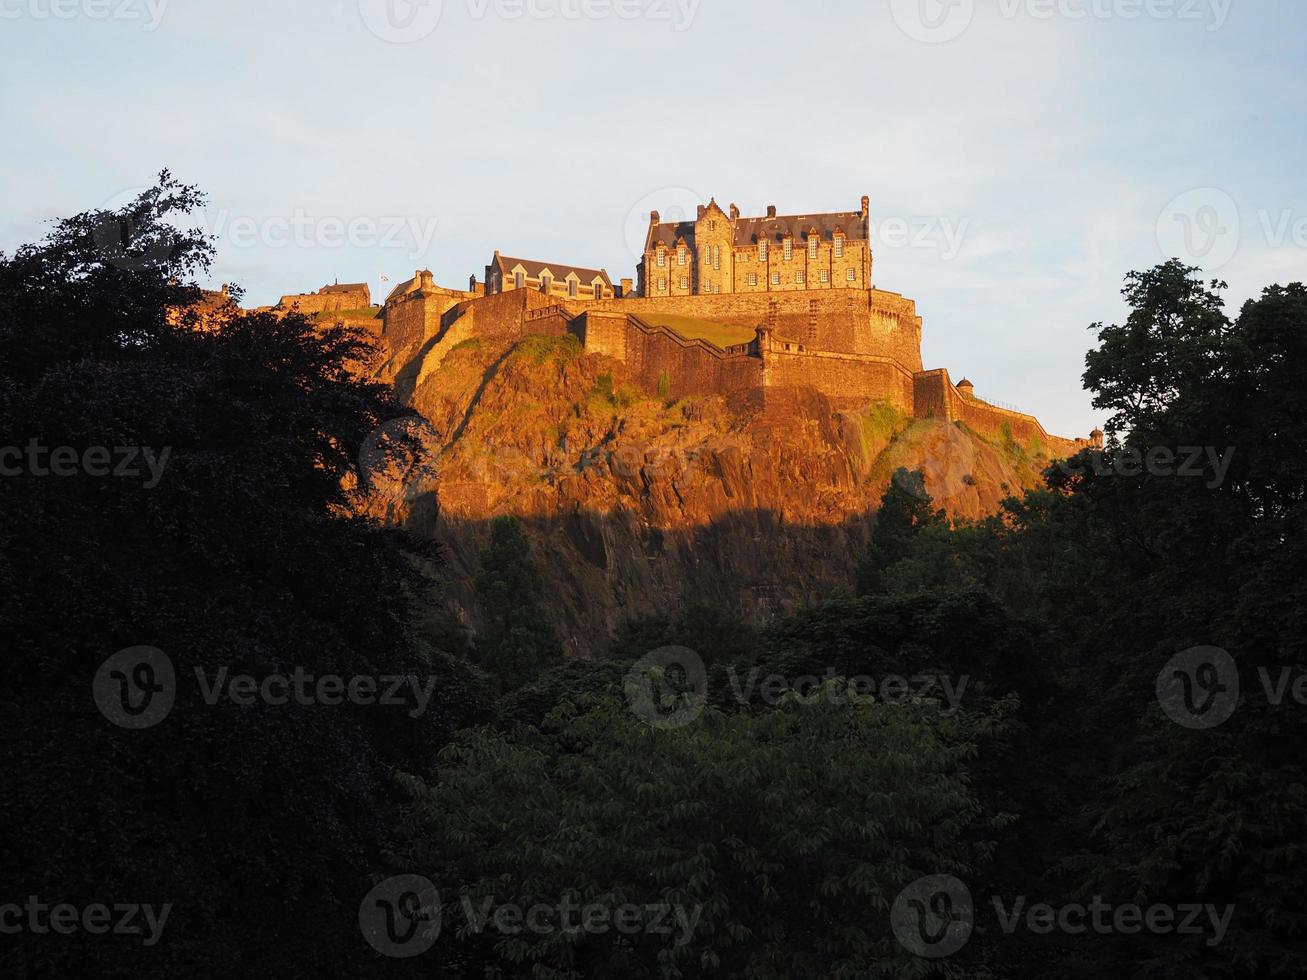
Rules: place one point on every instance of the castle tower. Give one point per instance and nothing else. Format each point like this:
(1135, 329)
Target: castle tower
(714, 236)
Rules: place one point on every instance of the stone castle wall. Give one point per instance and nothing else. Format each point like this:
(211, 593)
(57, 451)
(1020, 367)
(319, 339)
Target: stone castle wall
(935, 395)
(314, 303)
(663, 361)
(852, 346)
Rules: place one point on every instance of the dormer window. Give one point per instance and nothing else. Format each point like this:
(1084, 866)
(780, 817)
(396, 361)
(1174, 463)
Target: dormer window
(812, 246)
(519, 280)
(546, 283)
(662, 257)
(839, 246)
(789, 248)
(680, 255)
(762, 251)
(571, 288)
(598, 289)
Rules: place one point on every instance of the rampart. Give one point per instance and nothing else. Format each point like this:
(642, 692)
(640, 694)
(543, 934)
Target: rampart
(853, 346)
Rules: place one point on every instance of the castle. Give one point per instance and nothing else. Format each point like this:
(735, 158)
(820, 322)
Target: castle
(752, 309)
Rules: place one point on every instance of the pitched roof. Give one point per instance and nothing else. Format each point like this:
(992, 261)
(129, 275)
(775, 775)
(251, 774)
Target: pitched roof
(560, 272)
(750, 231)
(343, 287)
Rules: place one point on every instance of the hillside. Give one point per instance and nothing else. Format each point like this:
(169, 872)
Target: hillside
(637, 503)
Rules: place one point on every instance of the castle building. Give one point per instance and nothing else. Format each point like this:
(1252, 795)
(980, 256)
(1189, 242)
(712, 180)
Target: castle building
(330, 299)
(722, 253)
(553, 279)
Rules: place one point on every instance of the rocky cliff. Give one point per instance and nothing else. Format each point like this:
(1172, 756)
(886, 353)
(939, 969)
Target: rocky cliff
(636, 503)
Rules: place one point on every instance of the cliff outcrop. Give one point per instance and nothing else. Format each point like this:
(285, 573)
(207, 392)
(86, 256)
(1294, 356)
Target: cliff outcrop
(640, 502)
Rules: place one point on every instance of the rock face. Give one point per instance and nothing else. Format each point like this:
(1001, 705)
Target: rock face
(639, 504)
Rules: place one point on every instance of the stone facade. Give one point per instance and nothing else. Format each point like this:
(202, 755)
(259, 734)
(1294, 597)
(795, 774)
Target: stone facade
(721, 253)
(330, 299)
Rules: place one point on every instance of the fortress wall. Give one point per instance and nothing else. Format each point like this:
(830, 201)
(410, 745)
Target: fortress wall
(312, 303)
(656, 356)
(936, 396)
(844, 378)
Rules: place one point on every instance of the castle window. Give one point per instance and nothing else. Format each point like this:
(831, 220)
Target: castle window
(571, 287)
(680, 255)
(762, 251)
(853, 275)
(825, 276)
(839, 246)
(685, 282)
(789, 248)
(662, 257)
(753, 278)
(812, 247)
(775, 278)
(716, 256)
(800, 278)
(662, 285)
(519, 280)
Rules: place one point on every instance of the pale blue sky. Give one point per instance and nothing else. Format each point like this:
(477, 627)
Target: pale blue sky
(1021, 155)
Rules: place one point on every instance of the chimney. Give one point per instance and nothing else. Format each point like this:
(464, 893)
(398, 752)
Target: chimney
(626, 288)
(702, 209)
(654, 218)
(771, 210)
(735, 212)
